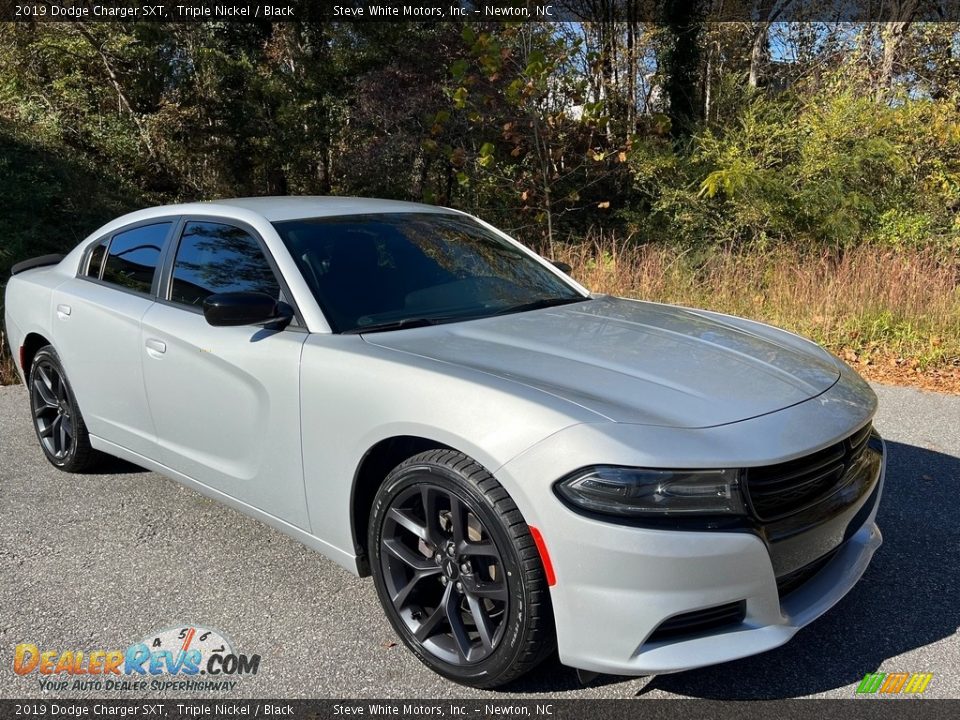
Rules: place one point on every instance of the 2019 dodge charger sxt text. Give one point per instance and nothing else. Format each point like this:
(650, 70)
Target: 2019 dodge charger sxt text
(517, 462)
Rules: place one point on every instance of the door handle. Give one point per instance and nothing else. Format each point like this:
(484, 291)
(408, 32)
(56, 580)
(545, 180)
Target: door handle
(156, 346)
(63, 311)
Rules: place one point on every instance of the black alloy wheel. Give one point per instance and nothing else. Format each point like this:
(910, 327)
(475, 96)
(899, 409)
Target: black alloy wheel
(444, 574)
(56, 417)
(457, 571)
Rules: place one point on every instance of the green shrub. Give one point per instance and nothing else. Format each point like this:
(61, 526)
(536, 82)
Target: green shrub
(836, 169)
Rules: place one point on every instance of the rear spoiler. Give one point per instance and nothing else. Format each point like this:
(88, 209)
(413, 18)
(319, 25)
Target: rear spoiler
(35, 263)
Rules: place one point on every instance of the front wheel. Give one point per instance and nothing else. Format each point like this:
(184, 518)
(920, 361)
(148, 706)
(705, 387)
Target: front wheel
(457, 571)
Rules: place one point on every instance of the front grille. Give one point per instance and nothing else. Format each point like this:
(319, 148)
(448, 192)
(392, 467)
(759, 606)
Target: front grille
(700, 621)
(778, 490)
(786, 584)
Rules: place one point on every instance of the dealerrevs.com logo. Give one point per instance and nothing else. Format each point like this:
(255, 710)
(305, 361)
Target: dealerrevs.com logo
(189, 658)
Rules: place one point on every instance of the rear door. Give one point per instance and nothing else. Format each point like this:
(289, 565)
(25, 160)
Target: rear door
(225, 400)
(97, 332)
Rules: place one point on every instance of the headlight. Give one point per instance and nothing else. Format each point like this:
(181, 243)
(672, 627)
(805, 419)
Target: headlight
(639, 492)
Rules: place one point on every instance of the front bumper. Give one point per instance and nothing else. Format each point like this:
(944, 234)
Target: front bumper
(616, 584)
(610, 608)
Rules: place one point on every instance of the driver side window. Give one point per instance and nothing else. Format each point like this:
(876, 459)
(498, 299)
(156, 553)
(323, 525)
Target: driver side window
(215, 258)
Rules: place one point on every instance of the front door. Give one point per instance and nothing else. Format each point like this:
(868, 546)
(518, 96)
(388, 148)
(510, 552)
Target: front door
(225, 400)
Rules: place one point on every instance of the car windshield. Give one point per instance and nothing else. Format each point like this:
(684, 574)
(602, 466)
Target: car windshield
(390, 271)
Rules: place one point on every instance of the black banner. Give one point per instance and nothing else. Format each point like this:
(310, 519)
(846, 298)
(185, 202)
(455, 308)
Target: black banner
(472, 10)
(545, 709)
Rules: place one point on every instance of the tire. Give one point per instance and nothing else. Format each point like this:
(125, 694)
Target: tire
(57, 420)
(469, 556)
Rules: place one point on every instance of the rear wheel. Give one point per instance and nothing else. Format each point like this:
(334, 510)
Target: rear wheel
(56, 416)
(457, 572)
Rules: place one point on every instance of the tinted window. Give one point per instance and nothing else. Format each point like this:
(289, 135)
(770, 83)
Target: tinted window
(370, 270)
(133, 255)
(96, 259)
(214, 258)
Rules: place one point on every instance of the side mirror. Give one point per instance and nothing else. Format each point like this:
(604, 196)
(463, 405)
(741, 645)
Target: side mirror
(244, 308)
(562, 266)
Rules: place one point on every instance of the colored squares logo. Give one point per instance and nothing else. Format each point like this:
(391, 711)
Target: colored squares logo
(894, 683)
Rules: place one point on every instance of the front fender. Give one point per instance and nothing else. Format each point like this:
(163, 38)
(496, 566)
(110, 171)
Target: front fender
(353, 395)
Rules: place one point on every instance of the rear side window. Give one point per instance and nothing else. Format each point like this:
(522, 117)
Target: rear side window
(96, 259)
(215, 258)
(132, 257)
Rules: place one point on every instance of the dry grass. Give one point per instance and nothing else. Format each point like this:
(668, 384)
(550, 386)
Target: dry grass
(869, 305)
(8, 371)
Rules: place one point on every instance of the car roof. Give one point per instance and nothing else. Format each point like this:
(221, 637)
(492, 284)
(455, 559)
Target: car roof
(281, 208)
(270, 209)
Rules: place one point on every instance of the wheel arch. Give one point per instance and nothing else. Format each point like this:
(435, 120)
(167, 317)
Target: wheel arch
(31, 343)
(374, 466)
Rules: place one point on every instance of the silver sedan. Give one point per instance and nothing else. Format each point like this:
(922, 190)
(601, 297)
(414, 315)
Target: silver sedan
(520, 465)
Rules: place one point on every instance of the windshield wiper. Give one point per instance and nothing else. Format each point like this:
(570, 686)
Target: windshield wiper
(415, 322)
(396, 325)
(540, 304)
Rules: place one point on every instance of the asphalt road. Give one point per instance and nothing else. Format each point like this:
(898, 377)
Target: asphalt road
(100, 561)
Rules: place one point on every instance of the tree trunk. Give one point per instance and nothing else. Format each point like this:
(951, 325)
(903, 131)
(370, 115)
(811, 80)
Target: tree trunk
(276, 181)
(892, 40)
(760, 50)
(631, 99)
(682, 64)
(712, 49)
(759, 54)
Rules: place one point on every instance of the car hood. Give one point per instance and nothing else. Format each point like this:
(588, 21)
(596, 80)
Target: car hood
(635, 362)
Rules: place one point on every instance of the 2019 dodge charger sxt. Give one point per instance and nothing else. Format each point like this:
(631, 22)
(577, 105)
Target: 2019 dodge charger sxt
(414, 394)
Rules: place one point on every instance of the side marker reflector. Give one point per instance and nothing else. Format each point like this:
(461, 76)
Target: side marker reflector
(544, 555)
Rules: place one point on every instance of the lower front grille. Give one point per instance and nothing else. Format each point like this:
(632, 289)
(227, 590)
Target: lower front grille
(699, 621)
(786, 584)
(778, 490)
